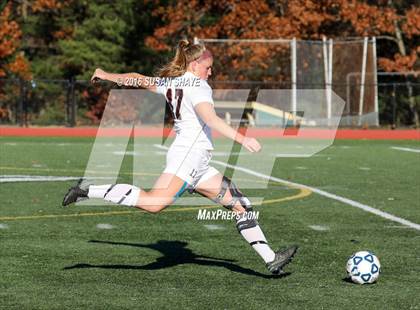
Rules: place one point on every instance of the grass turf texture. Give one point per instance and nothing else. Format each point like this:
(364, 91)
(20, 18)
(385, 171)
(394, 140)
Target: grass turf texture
(172, 260)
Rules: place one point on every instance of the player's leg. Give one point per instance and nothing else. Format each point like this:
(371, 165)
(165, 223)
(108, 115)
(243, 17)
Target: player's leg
(180, 161)
(167, 188)
(221, 190)
(248, 228)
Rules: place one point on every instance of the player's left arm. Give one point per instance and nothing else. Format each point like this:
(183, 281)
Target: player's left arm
(205, 110)
(126, 79)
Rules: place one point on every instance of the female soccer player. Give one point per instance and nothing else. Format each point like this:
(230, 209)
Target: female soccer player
(187, 161)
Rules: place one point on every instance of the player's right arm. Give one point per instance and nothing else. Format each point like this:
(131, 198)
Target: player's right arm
(126, 79)
(206, 112)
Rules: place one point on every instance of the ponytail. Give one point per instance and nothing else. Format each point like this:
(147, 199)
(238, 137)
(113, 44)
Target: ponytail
(185, 53)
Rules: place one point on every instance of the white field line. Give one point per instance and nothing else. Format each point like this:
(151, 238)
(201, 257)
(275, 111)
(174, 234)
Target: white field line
(396, 226)
(105, 226)
(326, 194)
(320, 227)
(37, 178)
(406, 149)
(162, 147)
(128, 153)
(34, 178)
(214, 227)
(347, 201)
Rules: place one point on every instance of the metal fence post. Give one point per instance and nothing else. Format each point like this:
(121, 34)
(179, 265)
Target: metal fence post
(362, 81)
(294, 79)
(412, 104)
(67, 105)
(375, 80)
(72, 118)
(25, 104)
(20, 103)
(394, 105)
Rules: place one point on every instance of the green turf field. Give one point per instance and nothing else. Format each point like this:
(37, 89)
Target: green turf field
(110, 257)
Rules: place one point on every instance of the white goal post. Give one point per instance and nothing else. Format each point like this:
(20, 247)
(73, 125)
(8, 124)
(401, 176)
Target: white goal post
(347, 67)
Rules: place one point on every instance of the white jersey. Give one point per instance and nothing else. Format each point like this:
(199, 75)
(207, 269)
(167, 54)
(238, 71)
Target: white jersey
(183, 93)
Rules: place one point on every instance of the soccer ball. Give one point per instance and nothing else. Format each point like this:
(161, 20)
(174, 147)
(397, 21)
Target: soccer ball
(363, 267)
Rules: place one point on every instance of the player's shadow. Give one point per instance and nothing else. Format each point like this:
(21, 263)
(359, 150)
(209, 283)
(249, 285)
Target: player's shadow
(175, 253)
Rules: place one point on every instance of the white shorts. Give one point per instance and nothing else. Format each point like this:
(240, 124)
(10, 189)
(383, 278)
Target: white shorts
(189, 164)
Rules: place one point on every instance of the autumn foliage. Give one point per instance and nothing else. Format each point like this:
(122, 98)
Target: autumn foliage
(397, 22)
(11, 60)
(63, 39)
(302, 19)
(42, 5)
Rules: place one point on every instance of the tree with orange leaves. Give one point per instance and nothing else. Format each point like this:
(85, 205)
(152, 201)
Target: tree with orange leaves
(396, 23)
(11, 60)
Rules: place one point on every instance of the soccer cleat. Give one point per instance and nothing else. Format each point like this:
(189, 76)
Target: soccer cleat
(281, 259)
(74, 194)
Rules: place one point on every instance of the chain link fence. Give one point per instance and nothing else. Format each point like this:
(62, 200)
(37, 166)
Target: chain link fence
(79, 103)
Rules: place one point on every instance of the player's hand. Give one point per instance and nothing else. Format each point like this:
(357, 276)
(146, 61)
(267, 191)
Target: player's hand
(251, 144)
(99, 74)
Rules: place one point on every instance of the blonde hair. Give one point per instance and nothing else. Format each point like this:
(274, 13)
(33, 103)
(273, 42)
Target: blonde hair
(185, 53)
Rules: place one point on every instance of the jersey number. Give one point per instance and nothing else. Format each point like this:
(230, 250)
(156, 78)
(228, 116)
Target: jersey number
(178, 96)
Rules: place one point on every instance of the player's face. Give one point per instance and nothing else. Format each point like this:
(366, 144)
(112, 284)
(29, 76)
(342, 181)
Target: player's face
(203, 68)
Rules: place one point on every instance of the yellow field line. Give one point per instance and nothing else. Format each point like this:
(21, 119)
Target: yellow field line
(302, 193)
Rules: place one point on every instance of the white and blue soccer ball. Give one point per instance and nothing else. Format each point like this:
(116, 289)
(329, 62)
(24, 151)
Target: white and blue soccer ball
(363, 267)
